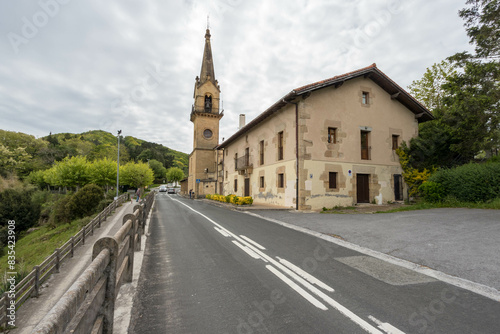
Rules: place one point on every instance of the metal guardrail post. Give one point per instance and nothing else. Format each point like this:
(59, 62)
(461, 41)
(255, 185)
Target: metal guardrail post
(72, 246)
(83, 235)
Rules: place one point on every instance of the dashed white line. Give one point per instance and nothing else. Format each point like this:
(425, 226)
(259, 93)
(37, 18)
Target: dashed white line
(385, 326)
(297, 288)
(305, 275)
(247, 250)
(256, 244)
(342, 309)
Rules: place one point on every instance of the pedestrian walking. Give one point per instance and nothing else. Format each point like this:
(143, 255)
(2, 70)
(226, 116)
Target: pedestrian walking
(138, 193)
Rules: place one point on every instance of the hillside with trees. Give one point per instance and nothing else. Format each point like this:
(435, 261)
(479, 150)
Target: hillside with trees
(21, 154)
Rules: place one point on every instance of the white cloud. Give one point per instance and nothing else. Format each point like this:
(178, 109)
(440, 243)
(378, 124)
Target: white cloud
(129, 65)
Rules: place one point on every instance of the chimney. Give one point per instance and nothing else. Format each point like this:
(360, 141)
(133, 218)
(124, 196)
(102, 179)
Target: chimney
(242, 121)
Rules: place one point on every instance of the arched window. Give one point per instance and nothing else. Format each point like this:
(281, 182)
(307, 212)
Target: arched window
(208, 103)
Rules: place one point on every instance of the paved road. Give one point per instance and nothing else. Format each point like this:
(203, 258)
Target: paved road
(460, 242)
(211, 270)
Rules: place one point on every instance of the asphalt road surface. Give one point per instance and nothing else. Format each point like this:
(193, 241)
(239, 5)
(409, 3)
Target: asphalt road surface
(211, 270)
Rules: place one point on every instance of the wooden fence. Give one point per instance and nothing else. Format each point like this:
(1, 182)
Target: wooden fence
(30, 285)
(88, 305)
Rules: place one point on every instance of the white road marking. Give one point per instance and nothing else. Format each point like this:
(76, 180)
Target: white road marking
(221, 231)
(297, 288)
(256, 244)
(342, 309)
(246, 250)
(386, 327)
(305, 275)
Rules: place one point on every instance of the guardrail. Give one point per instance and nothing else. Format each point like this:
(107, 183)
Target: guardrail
(88, 305)
(30, 285)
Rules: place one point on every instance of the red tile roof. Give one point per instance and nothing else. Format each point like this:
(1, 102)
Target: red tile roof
(372, 72)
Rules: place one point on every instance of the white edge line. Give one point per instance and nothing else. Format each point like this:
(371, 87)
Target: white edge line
(297, 288)
(463, 283)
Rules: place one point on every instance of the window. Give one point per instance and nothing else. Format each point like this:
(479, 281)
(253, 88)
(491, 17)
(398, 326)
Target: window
(247, 157)
(207, 133)
(395, 141)
(365, 148)
(332, 180)
(281, 180)
(226, 176)
(208, 103)
(235, 186)
(261, 152)
(365, 98)
(280, 145)
(332, 135)
(262, 182)
(236, 161)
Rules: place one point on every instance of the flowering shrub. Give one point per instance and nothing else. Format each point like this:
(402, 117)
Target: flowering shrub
(237, 200)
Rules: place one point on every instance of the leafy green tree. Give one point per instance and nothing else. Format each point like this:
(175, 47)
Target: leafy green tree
(102, 172)
(158, 169)
(72, 172)
(175, 174)
(429, 90)
(136, 174)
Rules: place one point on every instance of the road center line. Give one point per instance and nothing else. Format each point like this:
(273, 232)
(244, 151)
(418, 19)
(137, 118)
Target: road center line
(339, 307)
(305, 275)
(297, 288)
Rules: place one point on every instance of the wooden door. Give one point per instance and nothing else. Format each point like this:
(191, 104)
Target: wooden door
(247, 187)
(362, 188)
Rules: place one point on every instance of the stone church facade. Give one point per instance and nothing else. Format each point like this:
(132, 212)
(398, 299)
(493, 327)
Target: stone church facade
(340, 134)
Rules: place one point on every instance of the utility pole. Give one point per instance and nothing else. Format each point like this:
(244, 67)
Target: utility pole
(118, 165)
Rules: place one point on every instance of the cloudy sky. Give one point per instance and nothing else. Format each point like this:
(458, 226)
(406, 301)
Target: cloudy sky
(79, 65)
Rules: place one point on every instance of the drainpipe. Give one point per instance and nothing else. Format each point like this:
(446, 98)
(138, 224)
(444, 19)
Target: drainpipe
(296, 152)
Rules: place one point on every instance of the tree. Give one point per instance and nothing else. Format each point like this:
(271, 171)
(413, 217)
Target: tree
(483, 26)
(175, 174)
(136, 174)
(102, 172)
(158, 169)
(429, 90)
(72, 172)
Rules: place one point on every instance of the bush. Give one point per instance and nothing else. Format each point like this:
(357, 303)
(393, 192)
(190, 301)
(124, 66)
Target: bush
(85, 201)
(61, 214)
(231, 199)
(18, 205)
(471, 182)
(432, 191)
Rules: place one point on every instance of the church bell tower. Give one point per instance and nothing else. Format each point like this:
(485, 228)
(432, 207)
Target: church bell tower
(205, 115)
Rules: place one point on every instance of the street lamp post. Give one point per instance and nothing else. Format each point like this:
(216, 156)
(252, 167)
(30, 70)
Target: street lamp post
(118, 165)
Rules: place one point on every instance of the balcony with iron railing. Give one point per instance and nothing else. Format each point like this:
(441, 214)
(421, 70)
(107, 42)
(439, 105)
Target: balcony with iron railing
(243, 164)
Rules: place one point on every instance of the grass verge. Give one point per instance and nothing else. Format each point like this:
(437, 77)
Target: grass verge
(33, 248)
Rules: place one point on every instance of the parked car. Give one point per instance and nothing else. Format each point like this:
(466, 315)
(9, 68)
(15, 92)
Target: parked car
(162, 189)
(171, 191)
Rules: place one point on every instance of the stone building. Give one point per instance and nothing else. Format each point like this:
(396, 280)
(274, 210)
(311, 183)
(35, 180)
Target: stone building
(340, 134)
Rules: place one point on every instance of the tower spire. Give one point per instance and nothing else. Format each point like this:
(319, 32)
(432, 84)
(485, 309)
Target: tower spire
(207, 66)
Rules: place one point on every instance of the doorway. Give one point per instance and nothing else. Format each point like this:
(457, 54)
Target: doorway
(398, 187)
(362, 188)
(247, 187)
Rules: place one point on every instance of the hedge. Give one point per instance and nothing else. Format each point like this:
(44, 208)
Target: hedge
(238, 200)
(468, 183)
